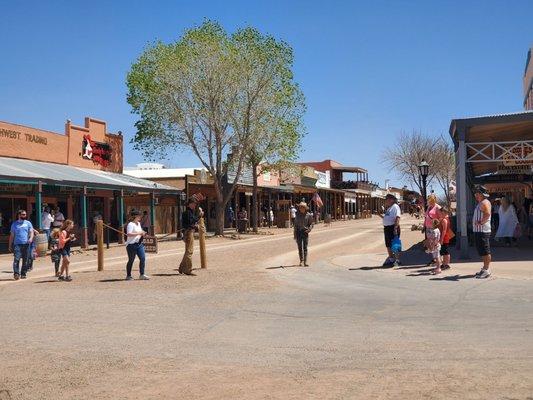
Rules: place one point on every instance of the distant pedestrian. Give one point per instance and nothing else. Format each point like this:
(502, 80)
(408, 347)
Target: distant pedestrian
(293, 214)
(190, 219)
(66, 237)
(482, 229)
(146, 223)
(32, 252)
(230, 216)
(391, 228)
(20, 240)
(303, 224)
(270, 217)
(508, 225)
(59, 218)
(134, 245)
(46, 222)
(96, 217)
(495, 218)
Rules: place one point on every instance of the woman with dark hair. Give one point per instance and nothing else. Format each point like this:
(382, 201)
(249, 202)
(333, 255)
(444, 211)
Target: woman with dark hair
(134, 245)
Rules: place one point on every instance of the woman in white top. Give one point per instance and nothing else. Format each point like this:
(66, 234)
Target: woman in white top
(508, 221)
(134, 245)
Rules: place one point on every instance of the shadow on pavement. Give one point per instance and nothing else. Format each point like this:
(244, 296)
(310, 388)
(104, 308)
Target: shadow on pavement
(176, 274)
(453, 278)
(8, 279)
(49, 281)
(112, 280)
(286, 266)
(370, 268)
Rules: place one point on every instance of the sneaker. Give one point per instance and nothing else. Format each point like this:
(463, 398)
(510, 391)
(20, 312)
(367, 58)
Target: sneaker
(445, 267)
(16, 277)
(397, 263)
(60, 278)
(144, 278)
(23, 277)
(68, 278)
(388, 262)
(483, 274)
(129, 278)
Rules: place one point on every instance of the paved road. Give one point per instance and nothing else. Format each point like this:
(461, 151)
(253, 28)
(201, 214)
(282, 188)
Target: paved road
(255, 326)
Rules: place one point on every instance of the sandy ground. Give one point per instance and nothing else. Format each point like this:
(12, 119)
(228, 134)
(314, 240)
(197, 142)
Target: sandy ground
(253, 326)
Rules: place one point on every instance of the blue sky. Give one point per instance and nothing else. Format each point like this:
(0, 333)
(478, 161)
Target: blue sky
(369, 70)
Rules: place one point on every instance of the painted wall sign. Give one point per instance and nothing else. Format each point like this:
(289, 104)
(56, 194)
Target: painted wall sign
(150, 244)
(99, 153)
(517, 151)
(14, 135)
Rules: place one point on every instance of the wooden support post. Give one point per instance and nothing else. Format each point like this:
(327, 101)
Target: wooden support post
(39, 205)
(201, 234)
(100, 242)
(84, 228)
(152, 213)
(121, 216)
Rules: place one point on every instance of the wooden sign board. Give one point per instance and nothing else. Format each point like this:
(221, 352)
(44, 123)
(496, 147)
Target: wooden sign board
(150, 244)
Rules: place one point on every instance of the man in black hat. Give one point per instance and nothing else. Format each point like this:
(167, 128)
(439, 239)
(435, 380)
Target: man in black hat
(189, 223)
(481, 226)
(303, 224)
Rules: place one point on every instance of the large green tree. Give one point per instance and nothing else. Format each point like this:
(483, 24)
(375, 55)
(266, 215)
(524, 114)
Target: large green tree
(212, 93)
(271, 107)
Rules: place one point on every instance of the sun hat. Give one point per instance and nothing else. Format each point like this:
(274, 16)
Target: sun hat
(482, 190)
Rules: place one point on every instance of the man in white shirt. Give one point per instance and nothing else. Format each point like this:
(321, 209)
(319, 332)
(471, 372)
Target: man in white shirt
(46, 222)
(391, 229)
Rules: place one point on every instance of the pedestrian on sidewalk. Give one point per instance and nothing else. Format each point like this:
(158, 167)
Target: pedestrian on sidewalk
(508, 223)
(433, 247)
(481, 224)
(20, 240)
(431, 214)
(46, 222)
(446, 236)
(293, 214)
(303, 224)
(146, 223)
(32, 252)
(135, 246)
(66, 237)
(59, 218)
(55, 253)
(190, 219)
(391, 228)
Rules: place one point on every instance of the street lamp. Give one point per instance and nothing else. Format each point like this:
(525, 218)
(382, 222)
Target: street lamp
(423, 168)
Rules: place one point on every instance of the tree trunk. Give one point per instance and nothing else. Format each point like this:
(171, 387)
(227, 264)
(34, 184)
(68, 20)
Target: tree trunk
(255, 206)
(220, 214)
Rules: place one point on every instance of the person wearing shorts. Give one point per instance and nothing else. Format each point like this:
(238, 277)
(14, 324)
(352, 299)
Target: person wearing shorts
(481, 225)
(391, 228)
(446, 235)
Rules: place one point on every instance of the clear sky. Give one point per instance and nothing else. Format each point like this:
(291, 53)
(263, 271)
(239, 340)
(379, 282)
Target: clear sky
(369, 70)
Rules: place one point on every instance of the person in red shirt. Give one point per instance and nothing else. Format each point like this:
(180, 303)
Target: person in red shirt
(445, 237)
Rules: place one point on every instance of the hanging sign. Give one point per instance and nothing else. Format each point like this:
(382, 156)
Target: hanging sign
(99, 153)
(522, 158)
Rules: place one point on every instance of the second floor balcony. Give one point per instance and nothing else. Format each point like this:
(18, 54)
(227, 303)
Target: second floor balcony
(361, 185)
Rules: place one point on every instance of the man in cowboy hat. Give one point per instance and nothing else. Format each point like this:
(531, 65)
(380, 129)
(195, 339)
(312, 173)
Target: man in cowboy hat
(303, 223)
(481, 227)
(189, 223)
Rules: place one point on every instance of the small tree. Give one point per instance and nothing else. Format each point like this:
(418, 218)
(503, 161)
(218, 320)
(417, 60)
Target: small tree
(202, 94)
(404, 157)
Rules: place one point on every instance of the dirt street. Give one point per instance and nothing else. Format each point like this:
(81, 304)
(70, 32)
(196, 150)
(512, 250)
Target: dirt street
(253, 326)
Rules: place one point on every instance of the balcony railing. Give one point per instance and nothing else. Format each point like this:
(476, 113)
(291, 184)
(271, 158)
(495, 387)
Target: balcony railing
(353, 185)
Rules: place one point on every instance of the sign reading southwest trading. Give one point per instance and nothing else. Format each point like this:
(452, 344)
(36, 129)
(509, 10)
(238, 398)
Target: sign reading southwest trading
(97, 152)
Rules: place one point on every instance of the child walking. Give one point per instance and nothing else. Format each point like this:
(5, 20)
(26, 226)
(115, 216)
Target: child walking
(446, 236)
(433, 245)
(55, 254)
(65, 240)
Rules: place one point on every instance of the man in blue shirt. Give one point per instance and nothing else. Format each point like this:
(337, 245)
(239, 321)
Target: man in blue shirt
(20, 240)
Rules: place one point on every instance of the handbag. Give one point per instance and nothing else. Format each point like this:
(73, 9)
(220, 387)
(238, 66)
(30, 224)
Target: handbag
(396, 244)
